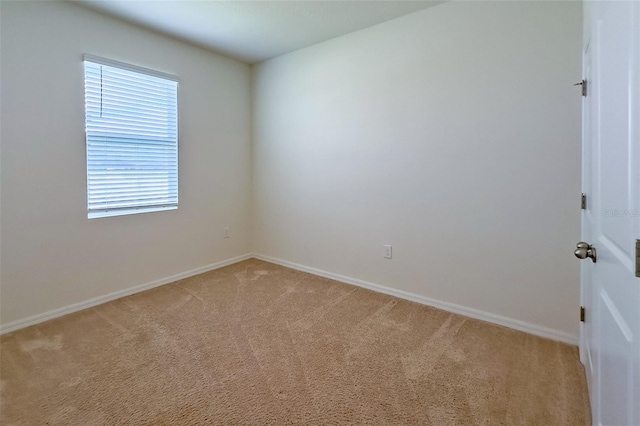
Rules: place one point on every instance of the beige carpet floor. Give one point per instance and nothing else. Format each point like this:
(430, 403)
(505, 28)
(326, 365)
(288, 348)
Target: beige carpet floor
(256, 343)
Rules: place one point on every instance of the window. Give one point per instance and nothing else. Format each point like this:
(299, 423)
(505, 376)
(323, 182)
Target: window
(131, 117)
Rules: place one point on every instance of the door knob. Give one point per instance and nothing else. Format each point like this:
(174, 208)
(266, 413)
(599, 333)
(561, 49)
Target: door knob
(584, 250)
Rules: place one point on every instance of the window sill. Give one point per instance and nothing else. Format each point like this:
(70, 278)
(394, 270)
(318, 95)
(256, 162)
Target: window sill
(123, 212)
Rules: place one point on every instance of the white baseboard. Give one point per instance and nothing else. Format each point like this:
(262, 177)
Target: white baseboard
(36, 319)
(446, 306)
(537, 330)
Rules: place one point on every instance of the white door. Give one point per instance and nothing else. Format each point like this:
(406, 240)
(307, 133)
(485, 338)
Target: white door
(610, 337)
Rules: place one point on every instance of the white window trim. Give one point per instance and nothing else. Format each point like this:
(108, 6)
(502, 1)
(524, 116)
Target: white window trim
(129, 67)
(154, 73)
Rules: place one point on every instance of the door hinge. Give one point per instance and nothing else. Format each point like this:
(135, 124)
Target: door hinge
(581, 313)
(583, 201)
(638, 258)
(583, 83)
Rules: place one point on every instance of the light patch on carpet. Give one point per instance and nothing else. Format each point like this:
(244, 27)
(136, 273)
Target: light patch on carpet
(52, 344)
(420, 363)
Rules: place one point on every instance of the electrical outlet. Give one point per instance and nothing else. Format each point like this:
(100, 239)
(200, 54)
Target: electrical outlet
(227, 233)
(387, 251)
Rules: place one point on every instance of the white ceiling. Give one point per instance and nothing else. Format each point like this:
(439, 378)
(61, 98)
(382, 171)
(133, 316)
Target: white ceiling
(252, 31)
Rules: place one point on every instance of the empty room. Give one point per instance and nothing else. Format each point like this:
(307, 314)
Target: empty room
(320, 212)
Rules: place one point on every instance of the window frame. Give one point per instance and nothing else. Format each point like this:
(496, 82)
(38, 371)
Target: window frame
(121, 211)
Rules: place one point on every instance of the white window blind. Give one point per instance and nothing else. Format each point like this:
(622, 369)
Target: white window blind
(132, 138)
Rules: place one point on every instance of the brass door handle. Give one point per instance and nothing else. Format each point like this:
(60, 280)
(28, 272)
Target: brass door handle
(584, 250)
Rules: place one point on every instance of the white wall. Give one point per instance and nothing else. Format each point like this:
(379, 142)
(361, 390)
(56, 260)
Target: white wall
(52, 255)
(452, 134)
